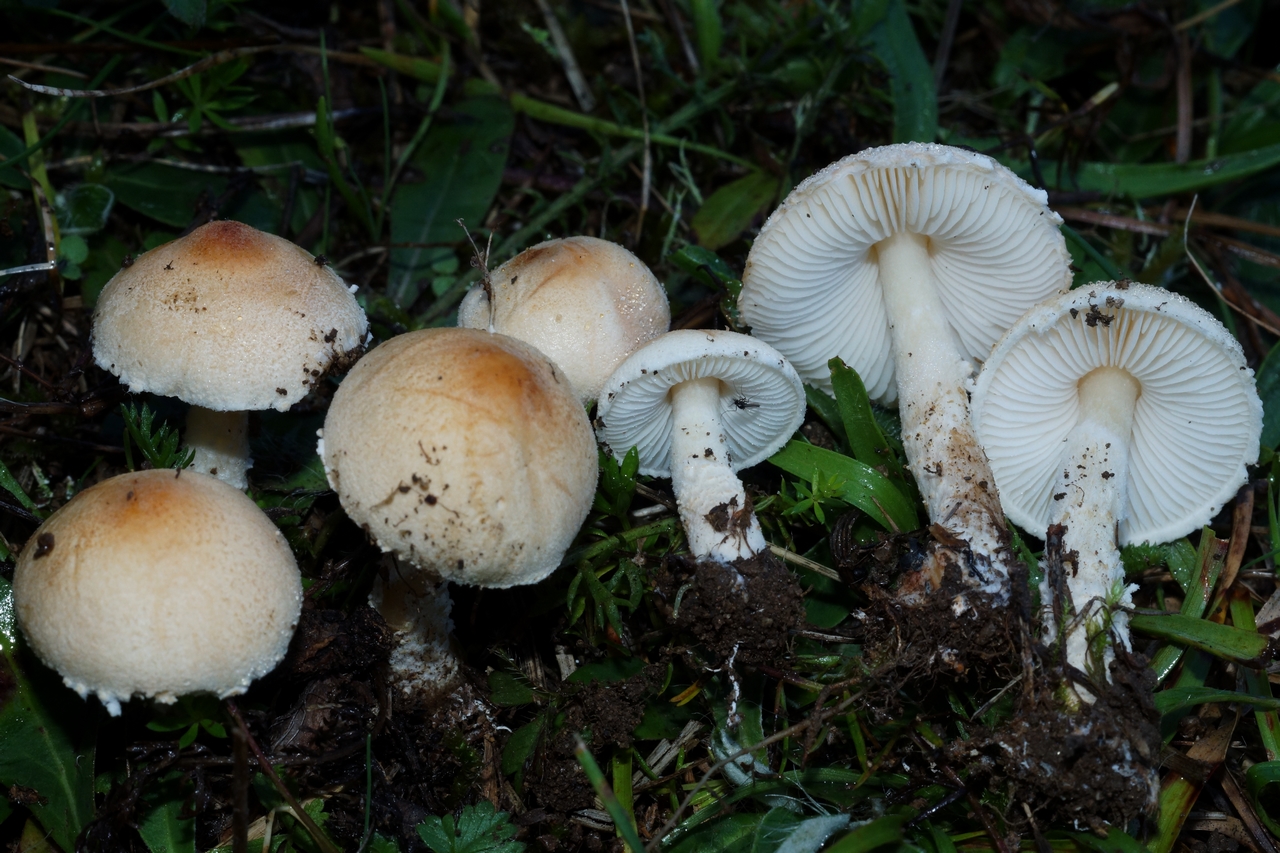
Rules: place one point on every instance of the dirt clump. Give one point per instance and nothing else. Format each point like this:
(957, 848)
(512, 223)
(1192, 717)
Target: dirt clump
(746, 610)
(1085, 768)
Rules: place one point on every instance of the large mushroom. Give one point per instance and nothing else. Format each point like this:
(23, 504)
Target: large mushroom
(909, 262)
(467, 456)
(231, 320)
(1127, 414)
(585, 303)
(158, 583)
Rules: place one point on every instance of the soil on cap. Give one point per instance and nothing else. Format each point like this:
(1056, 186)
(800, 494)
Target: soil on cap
(751, 622)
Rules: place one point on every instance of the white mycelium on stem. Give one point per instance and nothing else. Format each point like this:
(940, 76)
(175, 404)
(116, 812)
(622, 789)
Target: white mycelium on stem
(907, 262)
(699, 406)
(1127, 414)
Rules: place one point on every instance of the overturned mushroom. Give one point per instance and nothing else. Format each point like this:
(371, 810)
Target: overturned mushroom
(908, 262)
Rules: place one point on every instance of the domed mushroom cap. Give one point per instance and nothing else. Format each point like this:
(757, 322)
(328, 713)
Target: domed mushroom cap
(585, 303)
(158, 583)
(761, 397)
(463, 452)
(228, 318)
(1196, 423)
(811, 285)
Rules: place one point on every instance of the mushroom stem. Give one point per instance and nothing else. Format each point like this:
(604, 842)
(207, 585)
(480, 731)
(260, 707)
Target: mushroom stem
(423, 661)
(1089, 499)
(943, 453)
(713, 504)
(221, 443)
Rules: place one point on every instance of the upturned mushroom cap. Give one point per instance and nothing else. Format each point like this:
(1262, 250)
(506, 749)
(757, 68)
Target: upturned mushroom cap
(158, 583)
(463, 452)
(1196, 422)
(761, 398)
(228, 318)
(811, 285)
(585, 303)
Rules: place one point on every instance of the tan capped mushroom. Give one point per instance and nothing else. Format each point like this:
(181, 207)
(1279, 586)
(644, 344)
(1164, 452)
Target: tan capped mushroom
(229, 319)
(467, 456)
(908, 262)
(583, 302)
(160, 584)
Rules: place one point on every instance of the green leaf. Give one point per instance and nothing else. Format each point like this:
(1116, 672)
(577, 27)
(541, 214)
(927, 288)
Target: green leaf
(11, 145)
(73, 249)
(828, 411)
(190, 12)
(729, 210)
(462, 161)
(609, 670)
(163, 827)
(708, 267)
(864, 487)
(727, 835)
(1179, 557)
(1259, 781)
(1140, 181)
(1115, 842)
(164, 193)
(48, 749)
(877, 833)
(10, 484)
(521, 745)
(1178, 698)
(480, 829)
(506, 689)
(810, 834)
(1268, 382)
(866, 441)
(1246, 647)
(915, 103)
(84, 209)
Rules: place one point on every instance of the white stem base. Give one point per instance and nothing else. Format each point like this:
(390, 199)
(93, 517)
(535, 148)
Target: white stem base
(711, 499)
(221, 443)
(423, 661)
(1089, 498)
(943, 453)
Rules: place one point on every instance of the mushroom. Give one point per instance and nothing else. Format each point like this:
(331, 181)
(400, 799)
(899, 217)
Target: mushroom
(467, 456)
(1126, 413)
(158, 583)
(908, 262)
(585, 303)
(228, 319)
(699, 406)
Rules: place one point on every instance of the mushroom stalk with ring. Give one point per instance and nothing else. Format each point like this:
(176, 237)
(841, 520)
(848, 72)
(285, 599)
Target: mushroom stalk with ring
(709, 494)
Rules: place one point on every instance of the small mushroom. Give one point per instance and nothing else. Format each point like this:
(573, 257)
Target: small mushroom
(583, 302)
(228, 319)
(158, 583)
(699, 406)
(1126, 413)
(466, 456)
(908, 262)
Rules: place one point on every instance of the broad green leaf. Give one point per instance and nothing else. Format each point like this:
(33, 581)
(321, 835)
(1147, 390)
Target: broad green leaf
(1268, 382)
(866, 442)
(47, 748)
(1262, 781)
(190, 12)
(729, 210)
(521, 744)
(462, 161)
(709, 267)
(1224, 641)
(1115, 842)
(1179, 557)
(506, 689)
(877, 833)
(259, 150)
(732, 834)
(915, 103)
(611, 669)
(810, 834)
(84, 209)
(1207, 567)
(1177, 698)
(773, 829)
(708, 32)
(165, 193)
(163, 827)
(828, 411)
(480, 829)
(864, 487)
(10, 484)
(1139, 180)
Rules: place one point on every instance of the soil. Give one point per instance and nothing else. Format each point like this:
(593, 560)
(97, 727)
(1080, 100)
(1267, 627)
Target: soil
(1080, 768)
(751, 622)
